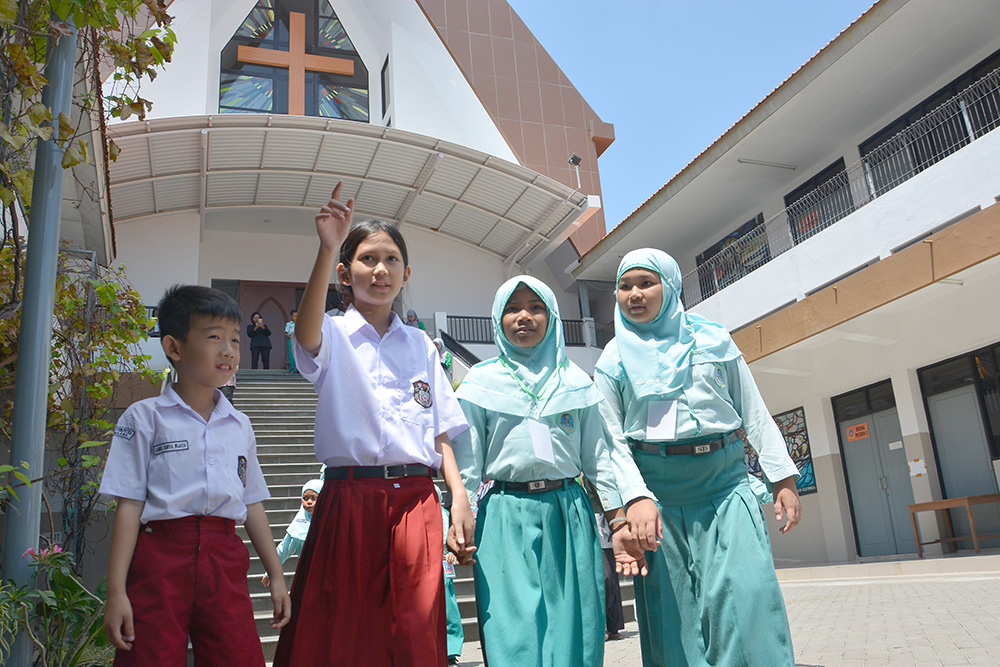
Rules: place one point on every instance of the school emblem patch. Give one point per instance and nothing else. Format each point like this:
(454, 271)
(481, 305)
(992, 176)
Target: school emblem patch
(241, 469)
(422, 393)
(124, 432)
(720, 377)
(566, 422)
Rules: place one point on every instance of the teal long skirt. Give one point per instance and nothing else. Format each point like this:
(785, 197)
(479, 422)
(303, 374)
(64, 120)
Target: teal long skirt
(711, 596)
(539, 579)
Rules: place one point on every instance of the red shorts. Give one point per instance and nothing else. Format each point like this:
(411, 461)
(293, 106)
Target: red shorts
(188, 578)
(369, 588)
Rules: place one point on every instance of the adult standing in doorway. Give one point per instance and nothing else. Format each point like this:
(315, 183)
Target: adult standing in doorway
(260, 341)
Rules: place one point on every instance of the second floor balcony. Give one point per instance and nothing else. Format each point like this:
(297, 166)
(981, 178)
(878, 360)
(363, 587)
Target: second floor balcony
(896, 194)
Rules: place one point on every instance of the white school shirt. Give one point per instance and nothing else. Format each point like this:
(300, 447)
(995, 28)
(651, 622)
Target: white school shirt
(381, 401)
(165, 454)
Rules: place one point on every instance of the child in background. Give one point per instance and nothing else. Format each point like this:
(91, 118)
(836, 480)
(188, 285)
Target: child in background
(368, 589)
(295, 536)
(183, 467)
(413, 321)
(678, 394)
(534, 427)
(289, 331)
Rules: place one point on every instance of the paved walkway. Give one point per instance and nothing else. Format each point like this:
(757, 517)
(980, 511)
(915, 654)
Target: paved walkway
(931, 612)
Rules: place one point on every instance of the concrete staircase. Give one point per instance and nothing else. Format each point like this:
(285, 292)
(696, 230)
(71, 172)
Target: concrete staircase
(282, 408)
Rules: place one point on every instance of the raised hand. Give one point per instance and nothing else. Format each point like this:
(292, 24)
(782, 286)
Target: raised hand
(334, 220)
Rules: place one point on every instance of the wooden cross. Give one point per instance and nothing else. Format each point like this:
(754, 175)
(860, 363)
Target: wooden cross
(297, 61)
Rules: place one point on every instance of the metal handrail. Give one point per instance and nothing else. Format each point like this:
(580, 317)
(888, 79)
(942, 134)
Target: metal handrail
(458, 350)
(478, 330)
(964, 118)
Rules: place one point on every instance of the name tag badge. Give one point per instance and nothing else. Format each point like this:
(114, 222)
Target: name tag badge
(541, 439)
(163, 447)
(661, 421)
(449, 570)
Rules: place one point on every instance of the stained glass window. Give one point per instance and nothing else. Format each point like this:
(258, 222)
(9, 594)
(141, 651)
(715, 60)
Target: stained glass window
(332, 34)
(259, 23)
(343, 102)
(241, 92)
(246, 86)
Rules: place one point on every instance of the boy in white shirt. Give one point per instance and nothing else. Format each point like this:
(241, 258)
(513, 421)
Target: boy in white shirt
(183, 467)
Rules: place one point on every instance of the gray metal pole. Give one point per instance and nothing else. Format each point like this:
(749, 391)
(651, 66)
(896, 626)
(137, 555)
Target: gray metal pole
(35, 338)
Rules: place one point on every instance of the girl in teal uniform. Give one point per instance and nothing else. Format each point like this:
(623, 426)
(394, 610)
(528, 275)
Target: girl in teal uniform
(535, 428)
(679, 400)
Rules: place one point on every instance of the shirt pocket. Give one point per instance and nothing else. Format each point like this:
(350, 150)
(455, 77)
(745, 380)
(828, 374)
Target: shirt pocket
(171, 462)
(416, 409)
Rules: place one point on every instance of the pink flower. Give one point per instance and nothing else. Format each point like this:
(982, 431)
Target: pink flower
(38, 554)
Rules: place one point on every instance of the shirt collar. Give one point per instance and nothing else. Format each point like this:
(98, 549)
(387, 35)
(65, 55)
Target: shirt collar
(170, 398)
(355, 322)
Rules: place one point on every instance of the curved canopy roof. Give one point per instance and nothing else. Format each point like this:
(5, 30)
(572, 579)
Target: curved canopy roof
(228, 166)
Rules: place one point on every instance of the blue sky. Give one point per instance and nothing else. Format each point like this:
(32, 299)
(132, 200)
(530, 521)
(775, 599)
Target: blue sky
(673, 76)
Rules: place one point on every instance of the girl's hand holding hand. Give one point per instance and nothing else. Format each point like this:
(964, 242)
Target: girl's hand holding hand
(630, 558)
(786, 501)
(462, 534)
(645, 523)
(464, 556)
(334, 220)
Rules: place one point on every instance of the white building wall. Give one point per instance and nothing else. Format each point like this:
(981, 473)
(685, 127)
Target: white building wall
(939, 322)
(446, 276)
(965, 181)
(428, 92)
(157, 253)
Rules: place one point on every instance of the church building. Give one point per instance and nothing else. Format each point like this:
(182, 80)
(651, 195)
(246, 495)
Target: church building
(446, 117)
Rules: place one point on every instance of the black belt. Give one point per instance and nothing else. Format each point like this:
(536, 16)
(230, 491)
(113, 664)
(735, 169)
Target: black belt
(688, 447)
(536, 486)
(383, 472)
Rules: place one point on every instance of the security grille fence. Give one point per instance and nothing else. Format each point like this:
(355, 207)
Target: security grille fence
(479, 330)
(957, 122)
(573, 332)
(470, 329)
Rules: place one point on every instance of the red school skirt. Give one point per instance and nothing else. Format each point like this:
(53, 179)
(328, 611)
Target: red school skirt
(369, 588)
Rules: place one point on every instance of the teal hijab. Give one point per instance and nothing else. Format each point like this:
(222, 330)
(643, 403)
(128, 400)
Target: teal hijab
(656, 357)
(529, 382)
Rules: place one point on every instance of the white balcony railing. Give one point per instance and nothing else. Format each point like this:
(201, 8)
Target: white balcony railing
(954, 124)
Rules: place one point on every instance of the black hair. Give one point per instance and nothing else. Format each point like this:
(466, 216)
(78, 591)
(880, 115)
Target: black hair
(181, 302)
(294, 310)
(255, 313)
(362, 230)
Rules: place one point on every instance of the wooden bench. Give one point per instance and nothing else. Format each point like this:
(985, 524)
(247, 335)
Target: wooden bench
(952, 503)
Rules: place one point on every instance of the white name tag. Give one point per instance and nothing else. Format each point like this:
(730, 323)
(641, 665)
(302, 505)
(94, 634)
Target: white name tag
(542, 441)
(661, 422)
(164, 447)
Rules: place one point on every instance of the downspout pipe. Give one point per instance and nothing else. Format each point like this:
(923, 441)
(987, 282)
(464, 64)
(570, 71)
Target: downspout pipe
(31, 389)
